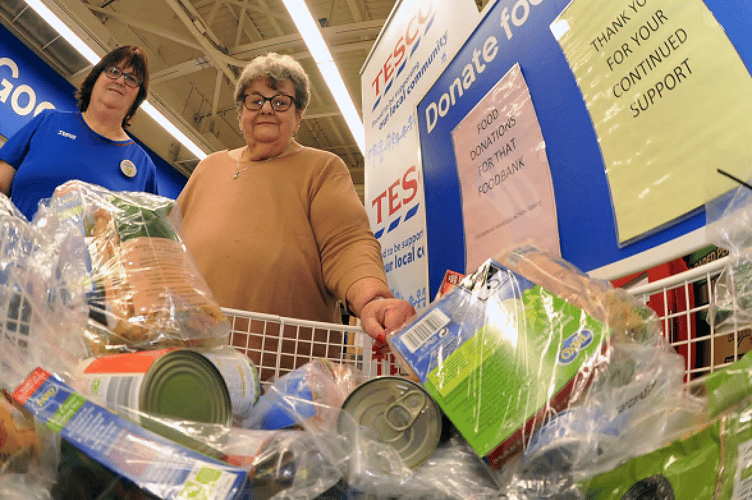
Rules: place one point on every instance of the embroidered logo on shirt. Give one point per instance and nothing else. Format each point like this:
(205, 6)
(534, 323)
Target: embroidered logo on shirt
(66, 134)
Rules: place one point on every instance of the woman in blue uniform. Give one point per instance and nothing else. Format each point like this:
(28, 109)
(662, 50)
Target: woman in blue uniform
(90, 144)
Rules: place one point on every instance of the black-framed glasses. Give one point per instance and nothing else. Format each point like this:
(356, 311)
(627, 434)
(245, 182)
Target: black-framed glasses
(279, 102)
(113, 73)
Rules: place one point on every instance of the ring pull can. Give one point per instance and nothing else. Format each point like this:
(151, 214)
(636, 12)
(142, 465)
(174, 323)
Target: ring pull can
(402, 414)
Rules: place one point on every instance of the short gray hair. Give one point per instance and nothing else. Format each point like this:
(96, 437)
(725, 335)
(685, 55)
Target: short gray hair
(275, 68)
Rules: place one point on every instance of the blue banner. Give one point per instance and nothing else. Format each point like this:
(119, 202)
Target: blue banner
(518, 31)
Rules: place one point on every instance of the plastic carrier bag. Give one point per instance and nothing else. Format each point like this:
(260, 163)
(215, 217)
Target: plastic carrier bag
(545, 371)
(143, 289)
(729, 226)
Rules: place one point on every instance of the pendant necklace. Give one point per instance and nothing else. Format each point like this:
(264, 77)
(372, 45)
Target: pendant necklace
(237, 167)
(239, 171)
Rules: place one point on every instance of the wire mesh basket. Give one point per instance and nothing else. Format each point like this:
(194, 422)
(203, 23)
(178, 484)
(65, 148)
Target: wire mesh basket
(683, 303)
(277, 344)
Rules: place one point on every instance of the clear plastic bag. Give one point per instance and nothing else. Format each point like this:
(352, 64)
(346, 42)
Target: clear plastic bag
(41, 305)
(46, 307)
(312, 394)
(144, 290)
(545, 371)
(707, 460)
(729, 226)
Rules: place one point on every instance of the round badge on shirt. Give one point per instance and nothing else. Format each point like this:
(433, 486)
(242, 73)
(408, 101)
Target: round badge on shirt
(128, 168)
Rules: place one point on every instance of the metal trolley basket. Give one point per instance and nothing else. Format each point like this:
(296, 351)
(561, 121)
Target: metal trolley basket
(683, 302)
(684, 299)
(278, 344)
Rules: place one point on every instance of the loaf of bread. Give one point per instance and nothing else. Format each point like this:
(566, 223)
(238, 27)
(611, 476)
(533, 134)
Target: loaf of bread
(145, 288)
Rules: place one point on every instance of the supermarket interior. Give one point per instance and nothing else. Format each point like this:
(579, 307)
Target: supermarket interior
(375, 249)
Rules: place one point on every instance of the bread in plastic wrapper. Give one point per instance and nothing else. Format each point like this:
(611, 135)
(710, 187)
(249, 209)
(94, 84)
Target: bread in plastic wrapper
(145, 290)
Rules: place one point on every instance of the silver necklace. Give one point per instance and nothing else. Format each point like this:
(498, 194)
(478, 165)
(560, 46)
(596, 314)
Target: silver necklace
(237, 166)
(238, 171)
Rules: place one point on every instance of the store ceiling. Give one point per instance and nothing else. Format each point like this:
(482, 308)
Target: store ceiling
(197, 49)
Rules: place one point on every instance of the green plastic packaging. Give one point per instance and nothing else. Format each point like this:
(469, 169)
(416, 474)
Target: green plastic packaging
(714, 463)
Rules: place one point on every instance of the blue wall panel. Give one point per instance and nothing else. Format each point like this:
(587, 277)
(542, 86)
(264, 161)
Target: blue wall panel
(586, 224)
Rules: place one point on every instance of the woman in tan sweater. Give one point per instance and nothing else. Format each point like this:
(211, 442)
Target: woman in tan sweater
(276, 227)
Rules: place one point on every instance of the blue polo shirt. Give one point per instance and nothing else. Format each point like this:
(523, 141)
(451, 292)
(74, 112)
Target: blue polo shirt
(58, 146)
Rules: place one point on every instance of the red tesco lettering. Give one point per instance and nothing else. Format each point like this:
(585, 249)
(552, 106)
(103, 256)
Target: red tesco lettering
(401, 192)
(395, 58)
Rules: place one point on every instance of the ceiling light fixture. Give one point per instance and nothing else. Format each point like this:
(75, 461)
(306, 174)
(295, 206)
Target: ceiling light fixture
(306, 25)
(90, 55)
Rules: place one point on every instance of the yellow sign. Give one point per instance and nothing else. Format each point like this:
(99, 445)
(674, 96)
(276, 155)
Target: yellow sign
(670, 101)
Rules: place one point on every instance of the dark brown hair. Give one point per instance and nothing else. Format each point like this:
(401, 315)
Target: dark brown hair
(129, 55)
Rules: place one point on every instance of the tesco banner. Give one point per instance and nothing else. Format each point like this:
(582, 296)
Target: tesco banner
(417, 41)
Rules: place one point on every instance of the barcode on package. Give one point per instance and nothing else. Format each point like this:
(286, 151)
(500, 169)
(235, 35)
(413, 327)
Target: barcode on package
(421, 331)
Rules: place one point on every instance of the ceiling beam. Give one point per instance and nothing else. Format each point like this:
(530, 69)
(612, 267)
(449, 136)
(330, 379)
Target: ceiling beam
(182, 69)
(254, 6)
(357, 10)
(245, 25)
(283, 43)
(202, 63)
(150, 28)
(206, 38)
(341, 139)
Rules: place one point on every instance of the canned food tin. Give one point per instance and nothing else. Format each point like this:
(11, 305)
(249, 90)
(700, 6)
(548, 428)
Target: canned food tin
(240, 376)
(313, 392)
(279, 460)
(401, 414)
(571, 436)
(177, 383)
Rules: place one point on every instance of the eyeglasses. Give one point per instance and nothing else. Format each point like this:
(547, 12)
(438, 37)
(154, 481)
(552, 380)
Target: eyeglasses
(279, 102)
(113, 73)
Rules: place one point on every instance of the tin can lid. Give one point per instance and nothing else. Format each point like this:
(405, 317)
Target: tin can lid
(184, 385)
(400, 413)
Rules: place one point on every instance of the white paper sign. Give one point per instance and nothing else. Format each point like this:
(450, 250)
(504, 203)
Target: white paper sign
(507, 192)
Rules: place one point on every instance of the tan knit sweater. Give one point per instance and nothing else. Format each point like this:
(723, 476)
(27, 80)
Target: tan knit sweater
(287, 237)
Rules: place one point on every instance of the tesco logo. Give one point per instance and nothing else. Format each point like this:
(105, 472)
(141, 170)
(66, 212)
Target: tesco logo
(417, 26)
(401, 192)
(397, 197)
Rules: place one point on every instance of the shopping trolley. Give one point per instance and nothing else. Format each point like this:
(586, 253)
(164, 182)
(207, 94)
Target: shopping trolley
(704, 350)
(279, 344)
(685, 301)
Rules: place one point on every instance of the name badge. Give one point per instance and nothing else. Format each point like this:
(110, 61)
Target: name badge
(128, 168)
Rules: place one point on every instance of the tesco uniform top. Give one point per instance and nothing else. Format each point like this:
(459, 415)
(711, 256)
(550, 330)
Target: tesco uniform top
(57, 146)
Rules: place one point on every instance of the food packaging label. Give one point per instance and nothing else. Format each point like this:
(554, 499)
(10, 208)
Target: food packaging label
(501, 355)
(156, 464)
